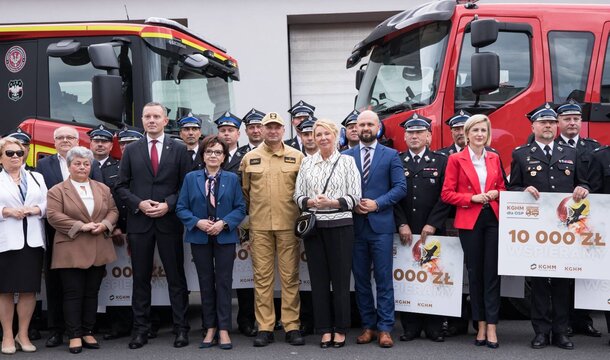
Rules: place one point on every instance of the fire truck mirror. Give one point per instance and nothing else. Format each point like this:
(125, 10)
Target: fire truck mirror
(485, 67)
(484, 32)
(107, 98)
(103, 57)
(63, 48)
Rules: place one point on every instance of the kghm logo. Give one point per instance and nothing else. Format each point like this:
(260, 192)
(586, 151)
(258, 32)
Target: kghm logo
(543, 267)
(533, 266)
(111, 297)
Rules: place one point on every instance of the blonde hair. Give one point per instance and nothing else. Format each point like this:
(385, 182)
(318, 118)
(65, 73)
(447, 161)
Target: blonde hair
(10, 140)
(475, 120)
(328, 125)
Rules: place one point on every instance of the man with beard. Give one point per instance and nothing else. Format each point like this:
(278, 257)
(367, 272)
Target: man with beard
(190, 133)
(545, 166)
(383, 186)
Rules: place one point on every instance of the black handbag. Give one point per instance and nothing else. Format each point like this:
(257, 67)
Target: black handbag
(306, 223)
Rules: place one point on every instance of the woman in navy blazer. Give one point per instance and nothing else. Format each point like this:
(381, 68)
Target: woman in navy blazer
(473, 181)
(211, 206)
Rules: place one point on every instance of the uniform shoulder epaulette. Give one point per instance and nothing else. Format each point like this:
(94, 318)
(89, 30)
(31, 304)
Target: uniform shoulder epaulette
(438, 152)
(600, 148)
(525, 146)
(590, 140)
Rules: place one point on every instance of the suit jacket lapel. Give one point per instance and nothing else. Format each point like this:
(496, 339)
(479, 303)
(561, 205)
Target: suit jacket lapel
(377, 156)
(56, 168)
(201, 183)
(557, 153)
(491, 172)
(357, 150)
(97, 205)
(144, 155)
(72, 194)
(166, 153)
(221, 187)
(470, 171)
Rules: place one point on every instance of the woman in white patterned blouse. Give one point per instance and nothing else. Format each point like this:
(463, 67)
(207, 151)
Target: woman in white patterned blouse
(329, 248)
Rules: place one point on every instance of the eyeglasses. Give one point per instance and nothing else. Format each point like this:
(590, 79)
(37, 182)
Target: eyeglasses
(217, 153)
(11, 153)
(67, 137)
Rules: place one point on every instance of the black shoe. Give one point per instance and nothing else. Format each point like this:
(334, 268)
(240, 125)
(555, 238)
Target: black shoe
(478, 342)
(436, 337)
(263, 338)
(326, 344)
(34, 334)
(493, 345)
(540, 341)
(587, 330)
(75, 350)
(115, 335)
(562, 342)
(182, 339)
(247, 330)
(138, 341)
(55, 339)
(407, 336)
(294, 337)
(88, 345)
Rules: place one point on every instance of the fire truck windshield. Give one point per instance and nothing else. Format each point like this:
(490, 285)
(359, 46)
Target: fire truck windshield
(404, 72)
(185, 90)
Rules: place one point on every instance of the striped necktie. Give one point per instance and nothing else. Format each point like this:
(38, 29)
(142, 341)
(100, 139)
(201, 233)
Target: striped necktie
(366, 165)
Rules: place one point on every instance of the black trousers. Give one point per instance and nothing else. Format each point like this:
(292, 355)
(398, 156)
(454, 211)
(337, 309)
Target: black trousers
(480, 247)
(579, 318)
(415, 323)
(550, 305)
(171, 252)
(329, 259)
(80, 290)
(245, 304)
(55, 314)
(214, 263)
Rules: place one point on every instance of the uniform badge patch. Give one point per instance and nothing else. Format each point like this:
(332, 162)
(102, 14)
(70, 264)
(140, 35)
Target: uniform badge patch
(256, 161)
(290, 160)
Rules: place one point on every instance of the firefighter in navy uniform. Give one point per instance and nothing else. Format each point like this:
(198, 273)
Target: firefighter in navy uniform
(421, 211)
(254, 130)
(228, 132)
(190, 133)
(120, 317)
(569, 116)
(545, 166)
(101, 145)
(299, 112)
(245, 297)
(349, 136)
(456, 124)
(599, 181)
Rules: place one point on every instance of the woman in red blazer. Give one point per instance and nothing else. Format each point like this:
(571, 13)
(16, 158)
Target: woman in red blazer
(473, 181)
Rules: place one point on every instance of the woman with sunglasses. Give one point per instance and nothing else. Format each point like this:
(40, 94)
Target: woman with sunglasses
(211, 206)
(23, 202)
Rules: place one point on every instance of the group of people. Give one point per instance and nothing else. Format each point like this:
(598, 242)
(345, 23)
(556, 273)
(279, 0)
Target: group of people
(215, 195)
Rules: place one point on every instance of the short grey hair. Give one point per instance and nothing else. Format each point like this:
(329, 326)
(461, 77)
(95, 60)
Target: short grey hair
(72, 129)
(79, 152)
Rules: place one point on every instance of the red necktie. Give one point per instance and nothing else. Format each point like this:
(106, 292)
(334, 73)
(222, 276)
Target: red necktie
(154, 157)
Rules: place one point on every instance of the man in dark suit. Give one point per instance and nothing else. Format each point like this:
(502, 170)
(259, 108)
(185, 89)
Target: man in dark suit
(456, 123)
(569, 122)
(546, 166)
(421, 211)
(228, 132)
(190, 133)
(151, 173)
(299, 112)
(54, 169)
(383, 186)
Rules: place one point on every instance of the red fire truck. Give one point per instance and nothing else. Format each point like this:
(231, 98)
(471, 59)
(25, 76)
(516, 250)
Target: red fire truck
(92, 73)
(503, 60)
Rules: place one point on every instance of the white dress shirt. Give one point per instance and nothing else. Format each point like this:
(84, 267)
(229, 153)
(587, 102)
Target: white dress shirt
(479, 167)
(541, 145)
(84, 191)
(159, 144)
(63, 166)
(373, 146)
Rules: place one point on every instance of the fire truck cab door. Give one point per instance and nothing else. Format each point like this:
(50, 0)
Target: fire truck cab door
(18, 82)
(599, 118)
